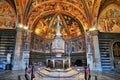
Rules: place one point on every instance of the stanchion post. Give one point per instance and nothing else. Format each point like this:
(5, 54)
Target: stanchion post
(32, 72)
(85, 73)
(96, 78)
(88, 72)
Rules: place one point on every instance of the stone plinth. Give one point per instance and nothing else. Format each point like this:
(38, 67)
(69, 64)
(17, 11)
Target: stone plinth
(70, 75)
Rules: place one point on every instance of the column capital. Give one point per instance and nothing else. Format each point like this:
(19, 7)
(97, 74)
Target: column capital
(94, 32)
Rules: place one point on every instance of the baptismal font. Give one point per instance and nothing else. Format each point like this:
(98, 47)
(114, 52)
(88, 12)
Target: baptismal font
(58, 61)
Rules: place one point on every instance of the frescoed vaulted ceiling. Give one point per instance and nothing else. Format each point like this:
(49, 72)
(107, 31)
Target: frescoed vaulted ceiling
(76, 16)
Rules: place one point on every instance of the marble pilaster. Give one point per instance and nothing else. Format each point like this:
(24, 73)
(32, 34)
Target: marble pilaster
(93, 53)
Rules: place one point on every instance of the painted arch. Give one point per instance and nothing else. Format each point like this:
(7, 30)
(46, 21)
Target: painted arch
(68, 13)
(70, 26)
(56, 6)
(7, 16)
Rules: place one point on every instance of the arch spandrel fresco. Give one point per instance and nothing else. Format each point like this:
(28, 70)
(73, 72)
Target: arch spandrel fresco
(70, 27)
(110, 21)
(7, 16)
(74, 27)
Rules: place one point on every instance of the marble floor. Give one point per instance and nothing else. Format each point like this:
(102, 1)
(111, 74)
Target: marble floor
(106, 75)
(14, 75)
(10, 75)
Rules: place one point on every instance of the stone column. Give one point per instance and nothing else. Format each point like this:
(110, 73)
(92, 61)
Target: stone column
(22, 48)
(18, 51)
(96, 64)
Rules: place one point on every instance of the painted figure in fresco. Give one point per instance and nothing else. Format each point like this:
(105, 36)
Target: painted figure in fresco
(74, 29)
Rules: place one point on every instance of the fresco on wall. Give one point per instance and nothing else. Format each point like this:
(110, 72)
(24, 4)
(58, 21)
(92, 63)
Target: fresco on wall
(40, 45)
(110, 21)
(77, 45)
(7, 16)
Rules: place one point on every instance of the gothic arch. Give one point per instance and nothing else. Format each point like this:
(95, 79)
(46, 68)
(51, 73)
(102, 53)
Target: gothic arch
(111, 6)
(108, 21)
(116, 53)
(58, 6)
(8, 18)
(64, 21)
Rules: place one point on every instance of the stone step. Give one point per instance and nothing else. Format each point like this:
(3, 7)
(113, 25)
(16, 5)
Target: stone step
(21, 77)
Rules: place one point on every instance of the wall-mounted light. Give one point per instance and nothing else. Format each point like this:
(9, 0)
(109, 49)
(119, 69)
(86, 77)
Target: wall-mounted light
(25, 27)
(92, 29)
(22, 26)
